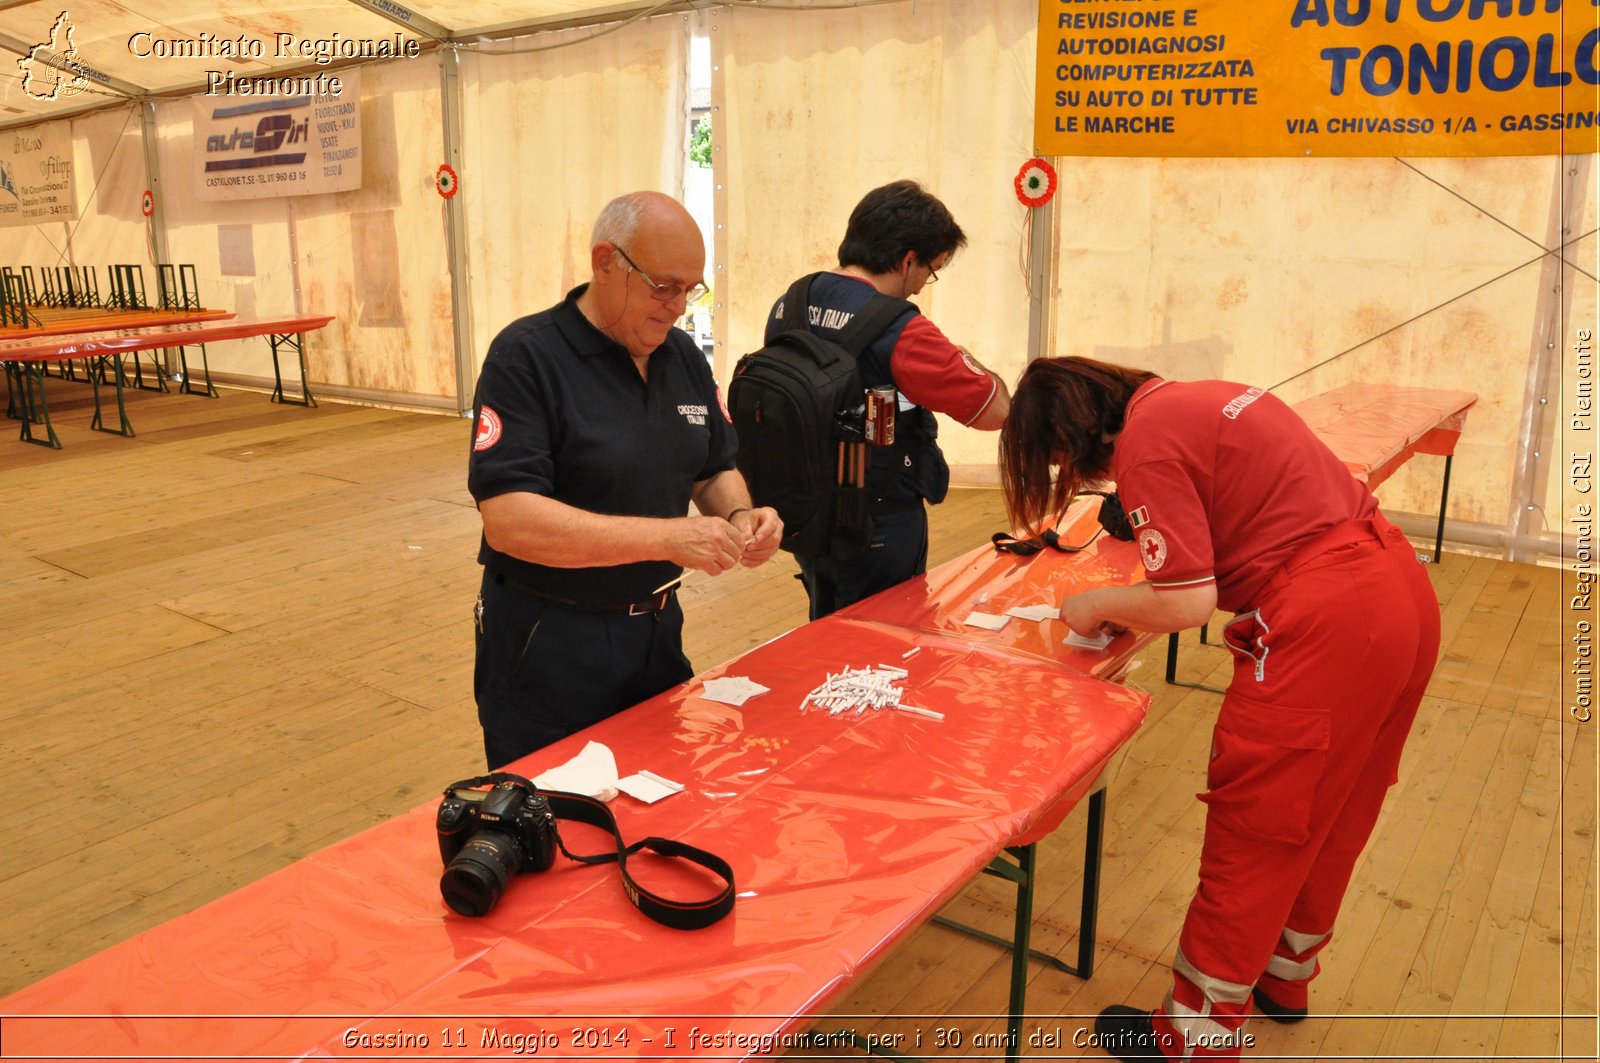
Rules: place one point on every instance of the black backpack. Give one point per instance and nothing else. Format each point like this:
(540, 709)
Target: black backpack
(796, 406)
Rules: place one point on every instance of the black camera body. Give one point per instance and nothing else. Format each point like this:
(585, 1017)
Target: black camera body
(1113, 518)
(487, 836)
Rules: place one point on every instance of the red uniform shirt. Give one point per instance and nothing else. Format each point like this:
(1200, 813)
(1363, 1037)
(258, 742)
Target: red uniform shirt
(1223, 482)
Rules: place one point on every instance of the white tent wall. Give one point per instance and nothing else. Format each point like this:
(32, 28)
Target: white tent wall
(1312, 273)
(35, 246)
(241, 250)
(373, 257)
(819, 107)
(108, 165)
(108, 180)
(554, 126)
(376, 257)
(1300, 273)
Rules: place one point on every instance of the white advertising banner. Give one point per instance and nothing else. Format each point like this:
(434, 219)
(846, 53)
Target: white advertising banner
(36, 175)
(280, 143)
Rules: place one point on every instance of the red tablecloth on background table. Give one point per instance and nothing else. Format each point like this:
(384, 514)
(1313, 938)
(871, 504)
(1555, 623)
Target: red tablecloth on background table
(1376, 428)
(155, 337)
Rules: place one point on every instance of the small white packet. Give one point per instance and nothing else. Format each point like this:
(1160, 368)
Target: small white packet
(1034, 612)
(731, 690)
(648, 787)
(1097, 643)
(987, 621)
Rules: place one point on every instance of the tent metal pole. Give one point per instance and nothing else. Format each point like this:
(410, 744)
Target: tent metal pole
(1041, 281)
(455, 224)
(157, 222)
(1538, 433)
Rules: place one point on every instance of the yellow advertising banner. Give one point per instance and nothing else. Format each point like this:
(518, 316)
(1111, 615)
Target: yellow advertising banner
(1239, 78)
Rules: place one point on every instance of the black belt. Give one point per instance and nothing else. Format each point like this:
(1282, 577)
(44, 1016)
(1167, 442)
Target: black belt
(649, 605)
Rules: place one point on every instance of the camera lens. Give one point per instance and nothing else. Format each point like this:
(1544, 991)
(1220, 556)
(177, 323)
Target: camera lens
(475, 879)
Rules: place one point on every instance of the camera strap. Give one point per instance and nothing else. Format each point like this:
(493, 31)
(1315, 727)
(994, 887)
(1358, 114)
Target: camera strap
(680, 915)
(1113, 522)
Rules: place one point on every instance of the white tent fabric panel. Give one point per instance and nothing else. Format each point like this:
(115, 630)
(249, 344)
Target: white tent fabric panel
(133, 51)
(241, 250)
(555, 128)
(108, 160)
(820, 108)
(108, 179)
(373, 257)
(1315, 273)
(140, 47)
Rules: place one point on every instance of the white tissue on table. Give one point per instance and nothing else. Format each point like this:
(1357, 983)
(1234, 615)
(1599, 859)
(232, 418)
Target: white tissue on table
(593, 772)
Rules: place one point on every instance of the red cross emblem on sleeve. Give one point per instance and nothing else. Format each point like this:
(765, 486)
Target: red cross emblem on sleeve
(1154, 547)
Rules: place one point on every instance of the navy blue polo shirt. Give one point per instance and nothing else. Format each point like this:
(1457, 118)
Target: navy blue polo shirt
(562, 411)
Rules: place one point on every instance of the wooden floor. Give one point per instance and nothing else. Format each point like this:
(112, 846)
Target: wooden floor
(245, 634)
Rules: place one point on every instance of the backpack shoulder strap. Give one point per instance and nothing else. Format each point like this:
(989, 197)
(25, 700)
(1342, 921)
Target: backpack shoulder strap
(867, 325)
(871, 320)
(795, 301)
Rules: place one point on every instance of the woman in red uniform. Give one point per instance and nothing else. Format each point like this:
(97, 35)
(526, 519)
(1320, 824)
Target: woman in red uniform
(1235, 503)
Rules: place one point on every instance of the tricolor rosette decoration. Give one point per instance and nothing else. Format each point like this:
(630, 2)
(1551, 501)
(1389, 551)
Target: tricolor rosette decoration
(446, 182)
(1036, 183)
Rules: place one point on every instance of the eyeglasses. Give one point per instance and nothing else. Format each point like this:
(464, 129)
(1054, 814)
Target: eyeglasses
(933, 276)
(662, 293)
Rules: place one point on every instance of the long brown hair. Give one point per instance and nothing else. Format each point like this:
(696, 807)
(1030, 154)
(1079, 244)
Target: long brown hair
(1061, 412)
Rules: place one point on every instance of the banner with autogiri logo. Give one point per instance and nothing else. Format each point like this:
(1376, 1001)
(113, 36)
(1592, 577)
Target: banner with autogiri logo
(36, 175)
(1318, 77)
(282, 143)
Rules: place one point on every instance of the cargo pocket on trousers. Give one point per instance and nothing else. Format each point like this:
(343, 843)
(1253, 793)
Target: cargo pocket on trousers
(518, 644)
(1267, 763)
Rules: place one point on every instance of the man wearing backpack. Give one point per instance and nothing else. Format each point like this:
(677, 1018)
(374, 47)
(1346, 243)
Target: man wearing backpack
(898, 238)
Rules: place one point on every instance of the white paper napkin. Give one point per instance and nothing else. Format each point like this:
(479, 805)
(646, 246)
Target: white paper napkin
(731, 689)
(592, 772)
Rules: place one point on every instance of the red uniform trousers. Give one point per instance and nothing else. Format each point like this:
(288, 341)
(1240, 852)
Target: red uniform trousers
(1330, 668)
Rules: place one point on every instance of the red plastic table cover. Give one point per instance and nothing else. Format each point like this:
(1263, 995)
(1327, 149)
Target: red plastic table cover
(844, 832)
(1376, 428)
(155, 337)
(991, 581)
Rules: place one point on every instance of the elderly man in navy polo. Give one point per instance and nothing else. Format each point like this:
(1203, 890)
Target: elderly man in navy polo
(598, 422)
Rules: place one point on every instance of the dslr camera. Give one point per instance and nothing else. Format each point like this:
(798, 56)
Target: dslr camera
(487, 836)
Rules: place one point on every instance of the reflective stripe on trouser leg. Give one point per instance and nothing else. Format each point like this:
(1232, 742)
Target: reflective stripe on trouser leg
(1204, 1016)
(1294, 963)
